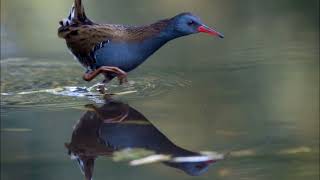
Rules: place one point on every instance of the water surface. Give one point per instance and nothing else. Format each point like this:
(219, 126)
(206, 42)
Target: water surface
(254, 94)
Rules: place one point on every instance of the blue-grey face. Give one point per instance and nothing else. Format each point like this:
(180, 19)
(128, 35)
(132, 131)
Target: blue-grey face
(187, 23)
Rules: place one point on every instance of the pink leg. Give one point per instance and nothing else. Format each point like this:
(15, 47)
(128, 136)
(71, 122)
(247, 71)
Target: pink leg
(122, 76)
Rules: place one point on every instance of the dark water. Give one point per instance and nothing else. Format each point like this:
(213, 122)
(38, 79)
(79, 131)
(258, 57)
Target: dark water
(253, 95)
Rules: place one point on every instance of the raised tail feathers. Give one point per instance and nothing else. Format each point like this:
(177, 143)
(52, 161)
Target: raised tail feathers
(76, 16)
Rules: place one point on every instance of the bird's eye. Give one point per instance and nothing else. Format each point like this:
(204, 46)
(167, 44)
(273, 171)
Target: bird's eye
(190, 23)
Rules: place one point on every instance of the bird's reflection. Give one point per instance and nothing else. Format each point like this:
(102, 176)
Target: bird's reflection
(114, 126)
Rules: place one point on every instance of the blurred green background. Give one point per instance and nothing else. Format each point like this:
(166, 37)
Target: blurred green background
(255, 91)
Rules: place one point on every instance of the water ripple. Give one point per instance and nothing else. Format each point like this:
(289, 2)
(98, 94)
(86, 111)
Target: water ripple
(54, 83)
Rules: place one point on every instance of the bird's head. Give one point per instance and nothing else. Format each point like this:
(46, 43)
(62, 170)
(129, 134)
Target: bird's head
(186, 23)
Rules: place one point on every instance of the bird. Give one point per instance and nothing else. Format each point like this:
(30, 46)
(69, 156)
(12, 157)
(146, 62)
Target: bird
(115, 126)
(113, 49)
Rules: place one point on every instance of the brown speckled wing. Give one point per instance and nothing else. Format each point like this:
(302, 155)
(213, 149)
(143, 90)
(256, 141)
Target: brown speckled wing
(83, 40)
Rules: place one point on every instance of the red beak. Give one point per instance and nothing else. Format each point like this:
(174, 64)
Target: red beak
(206, 29)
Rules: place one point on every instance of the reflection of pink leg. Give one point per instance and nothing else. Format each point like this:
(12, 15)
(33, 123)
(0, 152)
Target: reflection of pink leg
(122, 76)
(117, 119)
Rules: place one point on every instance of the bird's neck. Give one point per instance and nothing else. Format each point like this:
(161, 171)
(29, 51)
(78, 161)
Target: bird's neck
(161, 32)
(153, 43)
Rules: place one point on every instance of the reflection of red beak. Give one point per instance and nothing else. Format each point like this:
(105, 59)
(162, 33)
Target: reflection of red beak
(210, 162)
(206, 29)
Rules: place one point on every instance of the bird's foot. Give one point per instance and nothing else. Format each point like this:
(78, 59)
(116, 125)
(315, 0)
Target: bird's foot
(102, 88)
(122, 75)
(123, 78)
(99, 87)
